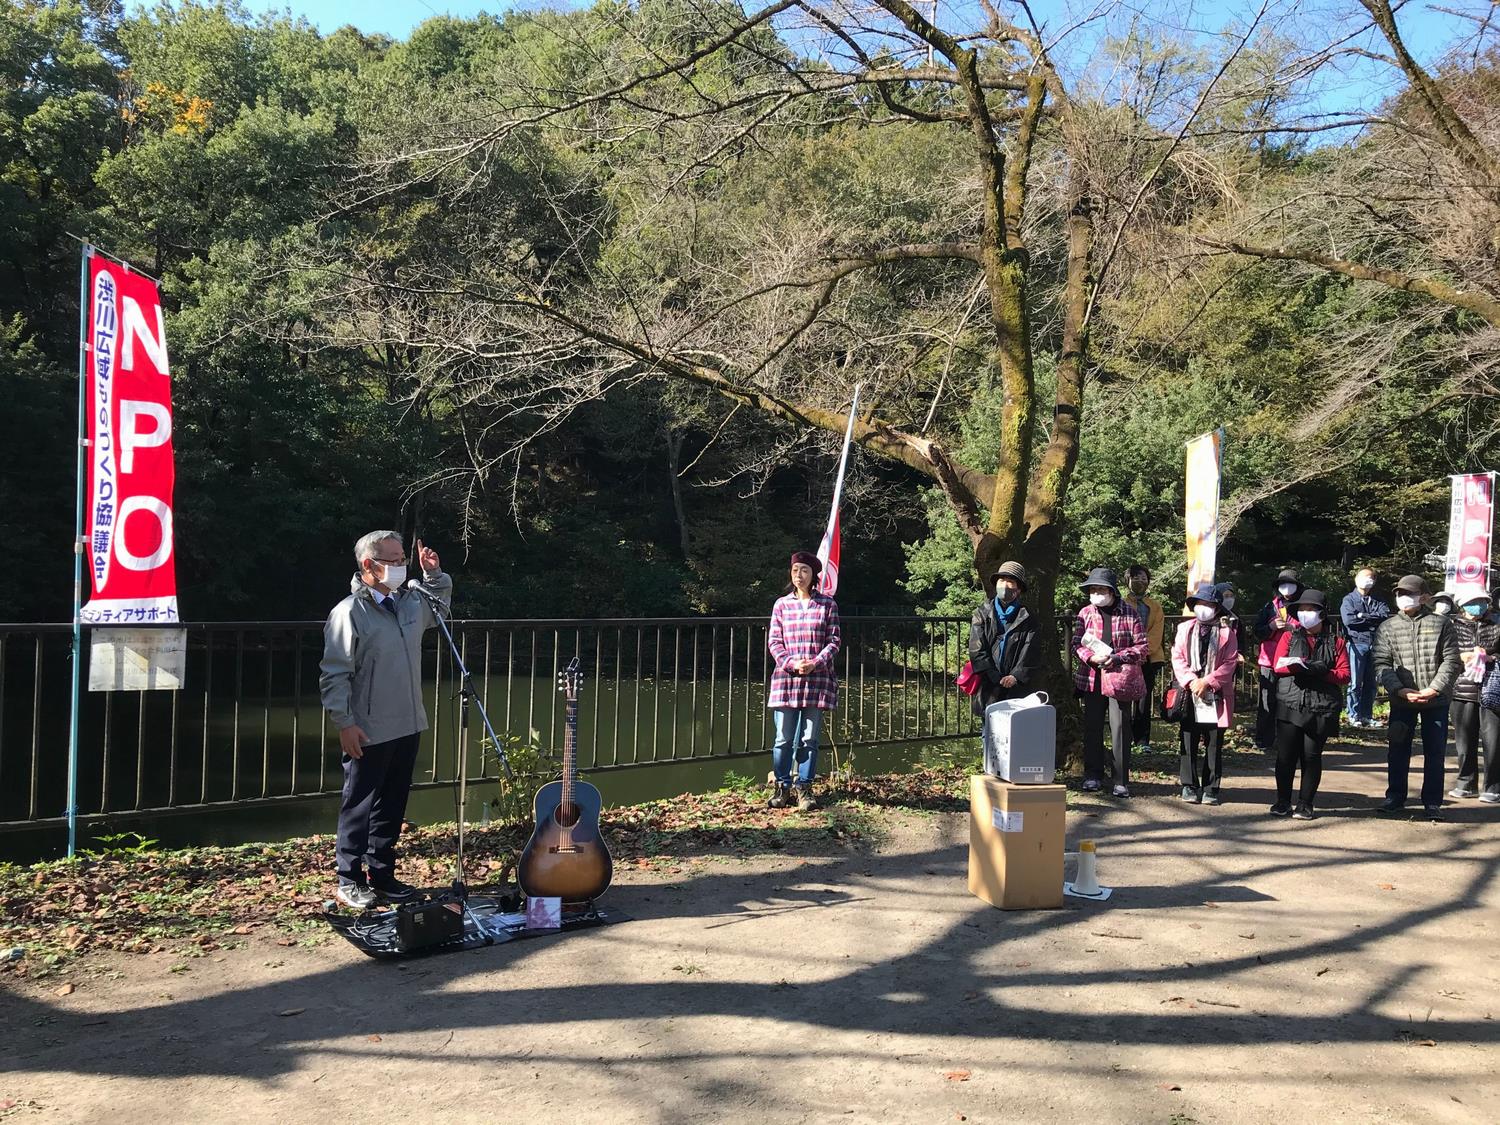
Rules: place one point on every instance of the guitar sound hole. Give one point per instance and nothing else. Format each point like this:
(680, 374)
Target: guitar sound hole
(566, 815)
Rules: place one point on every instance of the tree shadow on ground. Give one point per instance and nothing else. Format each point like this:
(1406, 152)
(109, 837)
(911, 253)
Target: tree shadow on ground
(959, 984)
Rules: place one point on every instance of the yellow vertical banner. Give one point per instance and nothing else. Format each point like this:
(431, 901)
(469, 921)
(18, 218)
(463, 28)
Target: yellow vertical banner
(1201, 506)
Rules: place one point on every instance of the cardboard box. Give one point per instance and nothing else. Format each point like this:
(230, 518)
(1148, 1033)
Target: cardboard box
(1016, 843)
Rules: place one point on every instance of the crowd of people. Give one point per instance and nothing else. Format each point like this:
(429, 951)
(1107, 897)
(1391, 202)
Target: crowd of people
(1432, 653)
(1318, 666)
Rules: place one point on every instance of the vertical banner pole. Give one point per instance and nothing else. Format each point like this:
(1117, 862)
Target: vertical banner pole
(82, 470)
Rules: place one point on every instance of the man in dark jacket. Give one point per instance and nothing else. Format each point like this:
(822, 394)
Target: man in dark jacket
(1417, 662)
(1002, 641)
(1362, 612)
(1475, 729)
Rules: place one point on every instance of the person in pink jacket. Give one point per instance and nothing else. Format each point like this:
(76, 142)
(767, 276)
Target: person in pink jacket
(1203, 661)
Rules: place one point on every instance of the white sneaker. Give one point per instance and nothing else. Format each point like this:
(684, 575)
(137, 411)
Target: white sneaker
(1490, 798)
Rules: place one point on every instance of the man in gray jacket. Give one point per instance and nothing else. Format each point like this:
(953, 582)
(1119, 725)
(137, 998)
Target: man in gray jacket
(372, 690)
(1417, 662)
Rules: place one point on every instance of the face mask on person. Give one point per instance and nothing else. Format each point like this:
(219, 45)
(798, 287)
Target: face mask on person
(1204, 613)
(1101, 598)
(1139, 585)
(1405, 602)
(1287, 589)
(395, 577)
(1365, 584)
(1442, 609)
(1228, 601)
(1007, 594)
(1309, 618)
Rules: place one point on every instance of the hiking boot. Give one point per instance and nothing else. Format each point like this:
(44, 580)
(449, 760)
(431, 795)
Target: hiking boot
(1210, 796)
(1092, 785)
(1191, 795)
(1434, 812)
(1119, 791)
(803, 794)
(356, 896)
(1281, 808)
(1304, 812)
(1392, 805)
(780, 795)
(394, 890)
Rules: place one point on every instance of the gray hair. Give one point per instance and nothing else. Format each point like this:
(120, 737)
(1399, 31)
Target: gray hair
(365, 548)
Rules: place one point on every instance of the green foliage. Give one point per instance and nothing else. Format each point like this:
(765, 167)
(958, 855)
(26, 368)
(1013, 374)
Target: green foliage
(119, 844)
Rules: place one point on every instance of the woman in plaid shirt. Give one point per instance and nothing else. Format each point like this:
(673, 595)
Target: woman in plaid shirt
(804, 639)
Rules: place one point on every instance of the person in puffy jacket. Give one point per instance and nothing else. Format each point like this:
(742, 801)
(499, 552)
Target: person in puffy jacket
(1110, 647)
(1205, 656)
(1002, 641)
(1417, 662)
(1476, 731)
(1312, 666)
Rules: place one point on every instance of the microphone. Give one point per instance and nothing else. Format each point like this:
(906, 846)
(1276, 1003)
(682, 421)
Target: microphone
(416, 585)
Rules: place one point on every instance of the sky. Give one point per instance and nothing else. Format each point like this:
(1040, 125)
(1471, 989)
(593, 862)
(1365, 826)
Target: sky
(1423, 21)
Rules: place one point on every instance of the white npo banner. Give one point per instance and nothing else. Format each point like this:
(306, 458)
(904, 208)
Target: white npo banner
(1201, 507)
(128, 396)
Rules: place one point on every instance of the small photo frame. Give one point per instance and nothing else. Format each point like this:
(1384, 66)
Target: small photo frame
(544, 913)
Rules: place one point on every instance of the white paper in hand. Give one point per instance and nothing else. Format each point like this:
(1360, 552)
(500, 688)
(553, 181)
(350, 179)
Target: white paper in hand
(1291, 664)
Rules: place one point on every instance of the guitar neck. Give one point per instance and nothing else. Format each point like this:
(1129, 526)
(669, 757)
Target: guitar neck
(570, 750)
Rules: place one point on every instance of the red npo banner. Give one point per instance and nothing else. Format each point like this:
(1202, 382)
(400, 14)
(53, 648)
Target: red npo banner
(1470, 533)
(128, 520)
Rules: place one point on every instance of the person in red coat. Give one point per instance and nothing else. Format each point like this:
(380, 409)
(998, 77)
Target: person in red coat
(1311, 665)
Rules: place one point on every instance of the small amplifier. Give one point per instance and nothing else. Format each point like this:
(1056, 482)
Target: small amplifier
(426, 924)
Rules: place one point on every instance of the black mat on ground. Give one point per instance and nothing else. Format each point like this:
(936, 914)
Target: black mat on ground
(488, 919)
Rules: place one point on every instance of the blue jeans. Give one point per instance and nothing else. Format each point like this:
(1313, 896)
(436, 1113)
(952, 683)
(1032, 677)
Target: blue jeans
(1403, 726)
(1360, 704)
(797, 730)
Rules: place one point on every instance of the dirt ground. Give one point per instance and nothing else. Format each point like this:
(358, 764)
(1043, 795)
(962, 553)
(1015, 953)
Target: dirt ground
(1247, 968)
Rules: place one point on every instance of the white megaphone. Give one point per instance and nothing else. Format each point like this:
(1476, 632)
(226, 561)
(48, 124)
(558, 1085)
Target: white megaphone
(1086, 882)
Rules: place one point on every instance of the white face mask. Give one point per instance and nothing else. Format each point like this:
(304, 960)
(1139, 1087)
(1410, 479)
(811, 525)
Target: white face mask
(1204, 612)
(1101, 598)
(1228, 601)
(1287, 589)
(395, 576)
(1365, 584)
(1308, 618)
(1405, 601)
(1442, 609)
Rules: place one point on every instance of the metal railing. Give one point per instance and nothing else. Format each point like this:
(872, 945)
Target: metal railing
(248, 726)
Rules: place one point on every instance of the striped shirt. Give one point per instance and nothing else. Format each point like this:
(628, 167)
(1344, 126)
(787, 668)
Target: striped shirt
(804, 630)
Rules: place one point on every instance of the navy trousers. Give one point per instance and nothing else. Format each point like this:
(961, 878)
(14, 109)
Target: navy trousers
(375, 790)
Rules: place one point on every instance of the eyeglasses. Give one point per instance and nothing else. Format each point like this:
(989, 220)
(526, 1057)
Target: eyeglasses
(391, 562)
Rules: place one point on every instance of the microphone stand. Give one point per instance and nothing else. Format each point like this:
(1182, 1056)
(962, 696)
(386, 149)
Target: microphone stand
(466, 697)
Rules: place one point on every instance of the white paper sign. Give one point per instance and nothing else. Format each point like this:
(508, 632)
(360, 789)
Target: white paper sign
(137, 659)
(1007, 821)
(544, 913)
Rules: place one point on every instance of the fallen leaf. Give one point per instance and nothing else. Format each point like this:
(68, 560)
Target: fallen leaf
(1170, 1087)
(1426, 1042)
(242, 930)
(1386, 886)
(1321, 971)
(67, 989)
(957, 1076)
(1217, 1003)
(8, 1103)
(291, 1012)
(373, 1038)
(1248, 936)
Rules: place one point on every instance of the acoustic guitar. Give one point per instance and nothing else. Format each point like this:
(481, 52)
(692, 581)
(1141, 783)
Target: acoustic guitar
(566, 856)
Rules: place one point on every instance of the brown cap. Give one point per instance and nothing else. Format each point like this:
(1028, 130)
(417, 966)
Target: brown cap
(1412, 584)
(1012, 570)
